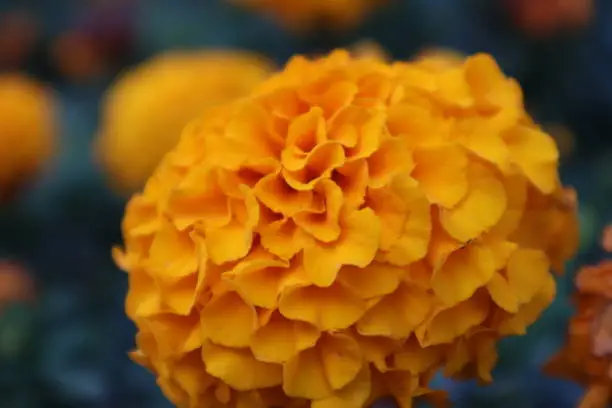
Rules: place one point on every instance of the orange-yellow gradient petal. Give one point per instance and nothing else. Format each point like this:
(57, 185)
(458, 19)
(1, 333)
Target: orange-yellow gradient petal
(344, 232)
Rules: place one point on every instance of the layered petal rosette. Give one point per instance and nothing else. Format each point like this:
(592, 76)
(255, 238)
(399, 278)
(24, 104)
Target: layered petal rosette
(342, 233)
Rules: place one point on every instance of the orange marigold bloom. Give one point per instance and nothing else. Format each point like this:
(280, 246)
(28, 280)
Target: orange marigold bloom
(27, 128)
(147, 108)
(304, 14)
(342, 233)
(587, 356)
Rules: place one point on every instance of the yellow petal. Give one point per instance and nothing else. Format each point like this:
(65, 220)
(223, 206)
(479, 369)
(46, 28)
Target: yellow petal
(415, 230)
(416, 359)
(501, 294)
(529, 313)
(246, 135)
(257, 278)
(320, 164)
(536, 154)
(488, 83)
(353, 395)
(281, 339)
(370, 135)
(390, 159)
(441, 244)
(397, 314)
(190, 374)
(239, 369)
(342, 359)
(464, 271)
(172, 254)
(482, 208)
(376, 349)
(356, 246)
(483, 136)
(331, 308)
(304, 376)
(229, 243)
(442, 173)
(199, 198)
(282, 237)
(352, 178)
(175, 335)
(228, 321)
(274, 192)
(143, 299)
(449, 323)
(324, 227)
(180, 296)
(527, 272)
(376, 279)
(416, 124)
(304, 134)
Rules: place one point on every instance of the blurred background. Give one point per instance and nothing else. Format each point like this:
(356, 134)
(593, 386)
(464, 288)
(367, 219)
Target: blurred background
(63, 330)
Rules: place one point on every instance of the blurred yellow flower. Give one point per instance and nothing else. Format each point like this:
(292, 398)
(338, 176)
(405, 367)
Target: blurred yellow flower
(301, 15)
(146, 110)
(587, 355)
(342, 233)
(27, 129)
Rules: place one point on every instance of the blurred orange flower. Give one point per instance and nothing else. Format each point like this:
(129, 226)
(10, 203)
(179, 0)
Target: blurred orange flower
(542, 18)
(587, 356)
(15, 284)
(342, 233)
(19, 32)
(302, 15)
(27, 128)
(145, 112)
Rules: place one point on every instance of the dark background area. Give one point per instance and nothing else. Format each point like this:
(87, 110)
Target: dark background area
(66, 346)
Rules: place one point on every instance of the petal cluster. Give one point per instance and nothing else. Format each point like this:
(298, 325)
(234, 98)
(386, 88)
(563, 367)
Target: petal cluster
(344, 232)
(303, 15)
(145, 111)
(587, 355)
(27, 129)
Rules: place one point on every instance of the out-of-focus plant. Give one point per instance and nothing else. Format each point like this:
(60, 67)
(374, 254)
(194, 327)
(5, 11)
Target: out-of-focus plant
(27, 129)
(342, 233)
(146, 110)
(587, 355)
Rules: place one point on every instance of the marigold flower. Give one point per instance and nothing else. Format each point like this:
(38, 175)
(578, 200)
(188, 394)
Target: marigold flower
(342, 233)
(305, 14)
(146, 110)
(26, 131)
(587, 356)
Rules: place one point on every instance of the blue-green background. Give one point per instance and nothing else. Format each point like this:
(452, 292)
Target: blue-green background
(68, 349)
